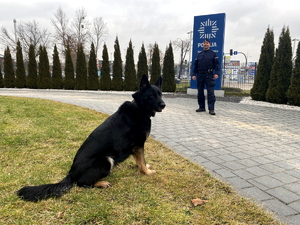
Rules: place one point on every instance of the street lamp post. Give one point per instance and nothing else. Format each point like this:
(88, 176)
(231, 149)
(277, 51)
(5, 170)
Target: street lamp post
(181, 59)
(189, 65)
(15, 28)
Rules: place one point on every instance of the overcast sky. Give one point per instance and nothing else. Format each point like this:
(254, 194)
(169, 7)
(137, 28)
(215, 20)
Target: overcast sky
(151, 21)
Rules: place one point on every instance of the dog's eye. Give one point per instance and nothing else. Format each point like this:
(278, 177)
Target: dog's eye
(151, 96)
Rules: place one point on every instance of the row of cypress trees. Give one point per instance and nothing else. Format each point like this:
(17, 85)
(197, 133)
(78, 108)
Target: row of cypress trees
(86, 76)
(276, 80)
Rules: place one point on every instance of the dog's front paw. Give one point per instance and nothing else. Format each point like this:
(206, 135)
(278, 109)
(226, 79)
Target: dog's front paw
(102, 184)
(150, 172)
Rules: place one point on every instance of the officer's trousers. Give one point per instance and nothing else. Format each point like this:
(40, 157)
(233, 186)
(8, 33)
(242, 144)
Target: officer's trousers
(206, 80)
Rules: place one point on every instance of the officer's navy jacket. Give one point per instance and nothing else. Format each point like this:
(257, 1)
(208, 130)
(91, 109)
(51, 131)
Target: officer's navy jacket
(206, 60)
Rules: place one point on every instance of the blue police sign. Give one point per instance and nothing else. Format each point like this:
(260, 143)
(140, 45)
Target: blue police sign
(211, 27)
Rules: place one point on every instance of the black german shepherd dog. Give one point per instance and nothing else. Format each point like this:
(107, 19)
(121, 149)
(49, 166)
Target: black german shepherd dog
(119, 136)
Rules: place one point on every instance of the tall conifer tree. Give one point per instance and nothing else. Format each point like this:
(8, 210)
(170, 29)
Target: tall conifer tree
(130, 73)
(264, 68)
(9, 74)
(32, 69)
(20, 81)
(168, 84)
(117, 81)
(81, 71)
(44, 77)
(281, 70)
(293, 93)
(155, 68)
(47, 68)
(93, 81)
(57, 81)
(142, 67)
(69, 80)
(105, 80)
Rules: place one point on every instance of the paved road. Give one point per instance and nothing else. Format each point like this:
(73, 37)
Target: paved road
(254, 148)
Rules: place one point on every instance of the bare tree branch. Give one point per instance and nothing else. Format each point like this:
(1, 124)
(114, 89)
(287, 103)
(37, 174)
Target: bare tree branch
(62, 34)
(80, 26)
(99, 32)
(7, 39)
(184, 47)
(27, 33)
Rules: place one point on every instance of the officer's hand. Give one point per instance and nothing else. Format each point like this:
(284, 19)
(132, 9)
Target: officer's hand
(194, 77)
(216, 76)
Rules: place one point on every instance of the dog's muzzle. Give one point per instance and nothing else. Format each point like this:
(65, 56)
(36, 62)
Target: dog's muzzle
(162, 105)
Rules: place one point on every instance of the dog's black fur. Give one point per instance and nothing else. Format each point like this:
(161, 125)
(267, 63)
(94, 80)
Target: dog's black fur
(119, 136)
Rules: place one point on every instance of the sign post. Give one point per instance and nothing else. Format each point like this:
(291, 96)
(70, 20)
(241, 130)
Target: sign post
(211, 27)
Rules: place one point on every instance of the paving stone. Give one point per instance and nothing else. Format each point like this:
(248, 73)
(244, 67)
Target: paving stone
(257, 194)
(227, 158)
(239, 183)
(295, 187)
(215, 160)
(284, 195)
(199, 159)
(295, 205)
(221, 151)
(232, 148)
(224, 173)
(258, 171)
(207, 153)
(240, 155)
(285, 178)
(264, 151)
(246, 148)
(272, 168)
(233, 165)
(244, 174)
(210, 165)
(231, 144)
(280, 208)
(286, 155)
(269, 182)
(295, 220)
(261, 160)
(295, 162)
(248, 162)
(284, 165)
(188, 154)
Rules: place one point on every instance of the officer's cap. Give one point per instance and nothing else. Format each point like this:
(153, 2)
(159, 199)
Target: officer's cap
(206, 39)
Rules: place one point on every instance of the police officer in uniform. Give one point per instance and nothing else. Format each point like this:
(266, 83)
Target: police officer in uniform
(206, 71)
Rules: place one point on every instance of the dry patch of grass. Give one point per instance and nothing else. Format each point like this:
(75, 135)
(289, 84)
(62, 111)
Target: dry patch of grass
(38, 140)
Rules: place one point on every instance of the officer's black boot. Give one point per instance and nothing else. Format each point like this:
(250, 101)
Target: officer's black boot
(200, 110)
(212, 112)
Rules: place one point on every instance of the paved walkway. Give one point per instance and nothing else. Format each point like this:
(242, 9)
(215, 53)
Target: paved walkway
(254, 148)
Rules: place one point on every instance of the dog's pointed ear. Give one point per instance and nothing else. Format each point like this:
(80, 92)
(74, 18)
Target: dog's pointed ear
(144, 82)
(158, 83)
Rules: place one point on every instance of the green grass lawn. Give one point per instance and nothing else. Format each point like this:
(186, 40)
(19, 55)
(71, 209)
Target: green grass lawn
(39, 139)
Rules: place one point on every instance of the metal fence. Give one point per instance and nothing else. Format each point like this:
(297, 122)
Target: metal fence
(236, 75)
(241, 81)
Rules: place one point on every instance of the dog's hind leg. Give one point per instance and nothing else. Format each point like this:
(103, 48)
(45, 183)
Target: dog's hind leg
(105, 184)
(138, 155)
(91, 177)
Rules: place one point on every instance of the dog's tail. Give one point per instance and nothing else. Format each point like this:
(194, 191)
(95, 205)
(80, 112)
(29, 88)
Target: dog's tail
(37, 193)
